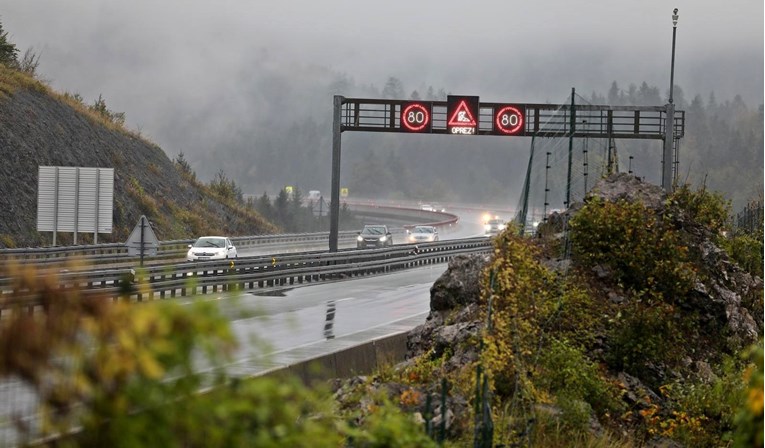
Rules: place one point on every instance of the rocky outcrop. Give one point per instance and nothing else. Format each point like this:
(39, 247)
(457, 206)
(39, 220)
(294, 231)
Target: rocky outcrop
(728, 300)
(453, 306)
(623, 186)
(731, 296)
(459, 285)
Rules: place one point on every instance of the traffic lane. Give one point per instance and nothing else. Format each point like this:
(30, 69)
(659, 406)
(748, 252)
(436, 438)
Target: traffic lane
(470, 225)
(309, 316)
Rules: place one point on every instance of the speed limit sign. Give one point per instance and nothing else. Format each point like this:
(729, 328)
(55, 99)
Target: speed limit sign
(415, 117)
(509, 120)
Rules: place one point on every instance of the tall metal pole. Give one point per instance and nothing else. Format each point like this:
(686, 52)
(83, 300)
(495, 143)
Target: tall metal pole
(669, 127)
(334, 206)
(570, 149)
(672, 66)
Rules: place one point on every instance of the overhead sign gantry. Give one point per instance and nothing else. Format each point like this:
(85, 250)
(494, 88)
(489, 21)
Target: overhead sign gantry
(466, 115)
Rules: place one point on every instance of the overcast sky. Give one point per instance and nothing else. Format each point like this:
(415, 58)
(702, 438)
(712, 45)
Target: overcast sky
(151, 59)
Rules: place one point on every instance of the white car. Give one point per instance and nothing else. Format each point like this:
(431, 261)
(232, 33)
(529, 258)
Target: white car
(422, 234)
(494, 226)
(427, 208)
(211, 248)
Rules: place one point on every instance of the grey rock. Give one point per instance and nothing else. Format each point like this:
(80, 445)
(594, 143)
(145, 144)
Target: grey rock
(459, 285)
(623, 186)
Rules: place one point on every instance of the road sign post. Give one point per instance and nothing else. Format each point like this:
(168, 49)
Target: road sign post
(142, 240)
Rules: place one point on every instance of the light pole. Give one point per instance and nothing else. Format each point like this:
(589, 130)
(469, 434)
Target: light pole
(669, 126)
(672, 68)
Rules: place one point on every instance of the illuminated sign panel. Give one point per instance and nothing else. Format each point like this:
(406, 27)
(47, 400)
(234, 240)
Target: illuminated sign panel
(415, 117)
(509, 119)
(462, 115)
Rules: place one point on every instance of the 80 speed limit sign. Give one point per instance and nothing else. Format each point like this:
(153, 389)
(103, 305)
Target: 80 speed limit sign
(415, 117)
(508, 120)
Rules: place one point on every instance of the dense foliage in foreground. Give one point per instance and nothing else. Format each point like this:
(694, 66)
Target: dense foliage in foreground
(612, 351)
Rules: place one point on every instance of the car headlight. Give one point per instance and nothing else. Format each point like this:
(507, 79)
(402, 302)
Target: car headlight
(359, 238)
(383, 238)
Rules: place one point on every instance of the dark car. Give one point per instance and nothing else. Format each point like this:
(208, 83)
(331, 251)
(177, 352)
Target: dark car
(374, 236)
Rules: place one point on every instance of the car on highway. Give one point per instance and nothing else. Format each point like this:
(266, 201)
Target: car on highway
(423, 234)
(211, 248)
(376, 235)
(427, 208)
(494, 225)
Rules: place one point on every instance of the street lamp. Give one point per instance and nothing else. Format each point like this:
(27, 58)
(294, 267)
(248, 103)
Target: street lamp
(672, 69)
(669, 127)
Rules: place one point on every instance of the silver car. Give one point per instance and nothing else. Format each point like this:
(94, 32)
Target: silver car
(423, 234)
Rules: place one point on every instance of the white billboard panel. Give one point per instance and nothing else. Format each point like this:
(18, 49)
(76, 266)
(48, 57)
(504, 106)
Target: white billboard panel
(74, 199)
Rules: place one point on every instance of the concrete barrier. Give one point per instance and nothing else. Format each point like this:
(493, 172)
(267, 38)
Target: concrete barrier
(360, 359)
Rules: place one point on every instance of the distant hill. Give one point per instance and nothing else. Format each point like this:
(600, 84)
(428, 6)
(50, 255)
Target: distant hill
(39, 127)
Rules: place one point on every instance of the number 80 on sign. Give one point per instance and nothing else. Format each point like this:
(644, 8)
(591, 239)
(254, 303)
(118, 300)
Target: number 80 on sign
(508, 120)
(415, 117)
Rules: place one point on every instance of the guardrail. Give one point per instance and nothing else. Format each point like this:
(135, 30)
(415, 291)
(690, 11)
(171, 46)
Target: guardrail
(421, 217)
(116, 253)
(186, 279)
(112, 253)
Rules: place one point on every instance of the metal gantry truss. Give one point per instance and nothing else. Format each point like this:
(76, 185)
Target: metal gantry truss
(539, 120)
(548, 120)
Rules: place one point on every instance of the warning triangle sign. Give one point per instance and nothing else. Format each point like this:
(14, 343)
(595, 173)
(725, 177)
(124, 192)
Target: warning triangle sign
(142, 233)
(462, 116)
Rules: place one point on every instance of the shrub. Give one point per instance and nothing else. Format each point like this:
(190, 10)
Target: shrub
(746, 251)
(567, 373)
(648, 332)
(748, 420)
(632, 241)
(706, 412)
(99, 107)
(7, 241)
(519, 289)
(183, 166)
(703, 207)
(385, 426)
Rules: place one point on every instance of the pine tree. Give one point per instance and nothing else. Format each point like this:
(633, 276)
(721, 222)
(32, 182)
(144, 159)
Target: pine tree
(8, 51)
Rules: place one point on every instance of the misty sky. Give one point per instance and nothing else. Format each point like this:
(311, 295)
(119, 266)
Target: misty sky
(163, 61)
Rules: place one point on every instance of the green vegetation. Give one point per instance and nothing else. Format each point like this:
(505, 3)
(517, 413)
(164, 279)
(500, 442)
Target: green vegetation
(8, 51)
(294, 215)
(638, 247)
(137, 383)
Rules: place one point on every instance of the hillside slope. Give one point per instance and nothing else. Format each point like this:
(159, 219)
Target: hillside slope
(39, 127)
